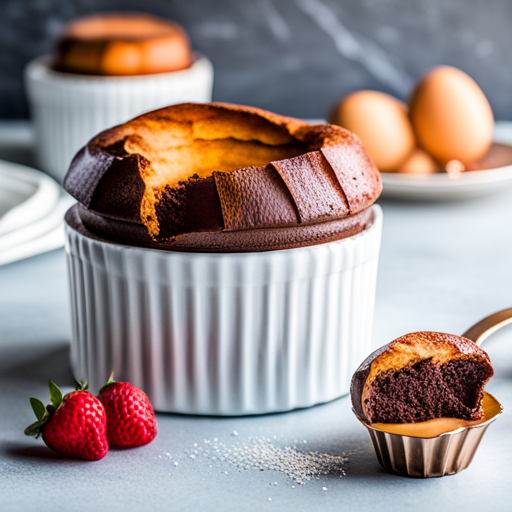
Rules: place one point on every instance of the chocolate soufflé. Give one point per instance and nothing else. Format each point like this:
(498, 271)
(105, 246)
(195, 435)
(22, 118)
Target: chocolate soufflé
(419, 377)
(218, 177)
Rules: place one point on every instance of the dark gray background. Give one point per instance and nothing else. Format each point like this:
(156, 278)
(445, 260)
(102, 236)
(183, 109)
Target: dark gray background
(295, 57)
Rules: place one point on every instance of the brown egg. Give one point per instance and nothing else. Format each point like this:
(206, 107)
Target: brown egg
(419, 162)
(382, 124)
(451, 116)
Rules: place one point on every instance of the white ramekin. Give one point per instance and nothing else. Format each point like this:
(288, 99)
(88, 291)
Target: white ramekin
(69, 109)
(224, 334)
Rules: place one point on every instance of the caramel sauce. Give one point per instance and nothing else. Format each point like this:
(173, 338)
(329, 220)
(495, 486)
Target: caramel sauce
(438, 426)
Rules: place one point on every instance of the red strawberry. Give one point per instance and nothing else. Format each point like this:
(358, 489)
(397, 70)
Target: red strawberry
(74, 425)
(131, 420)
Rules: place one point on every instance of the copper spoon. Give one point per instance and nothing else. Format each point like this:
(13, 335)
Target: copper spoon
(448, 453)
(483, 329)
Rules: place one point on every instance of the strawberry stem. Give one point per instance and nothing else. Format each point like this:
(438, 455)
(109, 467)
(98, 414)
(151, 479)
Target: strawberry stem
(109, 381)
(81, 386)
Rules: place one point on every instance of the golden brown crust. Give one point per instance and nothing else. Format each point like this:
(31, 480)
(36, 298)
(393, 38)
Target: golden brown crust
(123, 44)
(408, 350)
(219, 167)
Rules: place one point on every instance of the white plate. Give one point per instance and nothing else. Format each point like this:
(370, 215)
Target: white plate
(53, 239)
(32, 207)
(440, 187)
(26, 195)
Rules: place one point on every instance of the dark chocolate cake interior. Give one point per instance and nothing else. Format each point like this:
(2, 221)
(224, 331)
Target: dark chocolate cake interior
(425, 391)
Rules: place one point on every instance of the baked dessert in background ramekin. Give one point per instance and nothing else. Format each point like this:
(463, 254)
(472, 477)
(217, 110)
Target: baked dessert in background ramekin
(223, 259)
(107, 69)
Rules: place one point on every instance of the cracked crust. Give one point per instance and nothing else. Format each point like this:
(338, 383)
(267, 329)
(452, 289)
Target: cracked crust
(214, 168)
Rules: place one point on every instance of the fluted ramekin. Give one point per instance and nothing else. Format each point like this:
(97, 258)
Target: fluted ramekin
(69, 109)
(446, 454)
(225, 333)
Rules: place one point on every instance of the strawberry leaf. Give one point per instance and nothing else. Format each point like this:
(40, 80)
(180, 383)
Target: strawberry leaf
(36, 428)
(38, 407)
(55, 394)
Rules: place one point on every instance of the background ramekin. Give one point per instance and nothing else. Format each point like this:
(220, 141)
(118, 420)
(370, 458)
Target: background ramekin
(223, 334)
(69, 109)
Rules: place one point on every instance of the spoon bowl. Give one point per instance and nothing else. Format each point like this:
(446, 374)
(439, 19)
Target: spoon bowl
(447, 453)
(424, 457)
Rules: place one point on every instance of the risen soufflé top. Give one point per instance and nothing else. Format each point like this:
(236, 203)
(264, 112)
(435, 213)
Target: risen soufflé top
(220, 177)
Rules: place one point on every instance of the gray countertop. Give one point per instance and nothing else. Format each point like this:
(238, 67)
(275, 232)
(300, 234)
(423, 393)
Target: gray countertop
(443, 267)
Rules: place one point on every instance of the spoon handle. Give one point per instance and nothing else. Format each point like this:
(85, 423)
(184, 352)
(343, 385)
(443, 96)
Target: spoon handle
(483, 329)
